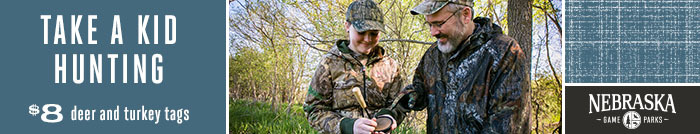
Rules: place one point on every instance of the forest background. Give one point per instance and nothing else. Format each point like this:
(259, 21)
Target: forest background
(275, 46)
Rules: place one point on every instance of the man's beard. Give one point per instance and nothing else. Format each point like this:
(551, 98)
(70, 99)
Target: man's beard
(452, 41)
(447, 47)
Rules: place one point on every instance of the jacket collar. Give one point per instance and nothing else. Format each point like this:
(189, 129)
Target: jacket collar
(484, 29)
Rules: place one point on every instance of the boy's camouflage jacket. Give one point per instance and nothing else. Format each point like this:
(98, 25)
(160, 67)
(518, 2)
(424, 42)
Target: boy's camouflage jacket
(330, 105)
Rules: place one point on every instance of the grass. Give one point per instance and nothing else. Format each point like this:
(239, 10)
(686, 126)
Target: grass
(257, 117)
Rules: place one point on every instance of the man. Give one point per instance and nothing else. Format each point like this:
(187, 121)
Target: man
(359, 62)
(473, 80)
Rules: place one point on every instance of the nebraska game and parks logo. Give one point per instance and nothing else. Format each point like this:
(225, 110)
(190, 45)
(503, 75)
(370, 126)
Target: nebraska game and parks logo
(604, 104)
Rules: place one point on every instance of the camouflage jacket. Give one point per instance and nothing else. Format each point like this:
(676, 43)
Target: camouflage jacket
(330, 105)
(482, 87)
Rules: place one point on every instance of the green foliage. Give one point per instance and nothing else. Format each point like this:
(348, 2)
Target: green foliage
(249, 68)
(400, 24)
(257, 118)
(546, 104)
(263, 47)
(494, 9)
(405, 128)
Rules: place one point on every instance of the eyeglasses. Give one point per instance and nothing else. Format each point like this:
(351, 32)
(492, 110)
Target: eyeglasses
(439, 23)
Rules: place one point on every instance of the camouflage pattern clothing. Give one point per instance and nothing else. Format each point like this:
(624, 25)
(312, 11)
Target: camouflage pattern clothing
(365, 15)
(330, 105)
(481, 87)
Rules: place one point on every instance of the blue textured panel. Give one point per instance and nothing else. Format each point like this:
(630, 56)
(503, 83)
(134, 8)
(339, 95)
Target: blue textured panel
(632, 41)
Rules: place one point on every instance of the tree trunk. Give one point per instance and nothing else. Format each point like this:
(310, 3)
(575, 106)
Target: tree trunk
(520, 23)
(520, 27)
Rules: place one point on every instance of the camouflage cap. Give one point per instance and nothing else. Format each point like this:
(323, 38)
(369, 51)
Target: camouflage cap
(428, 7)
(365, 15)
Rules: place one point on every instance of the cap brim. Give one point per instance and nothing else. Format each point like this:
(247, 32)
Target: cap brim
(428, 7)
(364, 25)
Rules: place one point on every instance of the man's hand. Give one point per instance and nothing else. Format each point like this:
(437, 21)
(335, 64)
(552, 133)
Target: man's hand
(364, 126)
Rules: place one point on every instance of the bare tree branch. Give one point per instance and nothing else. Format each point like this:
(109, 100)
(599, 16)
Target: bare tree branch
(549, 60)
(406, 40)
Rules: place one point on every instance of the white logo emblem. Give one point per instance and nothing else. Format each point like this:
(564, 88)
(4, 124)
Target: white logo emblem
(631, 120)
